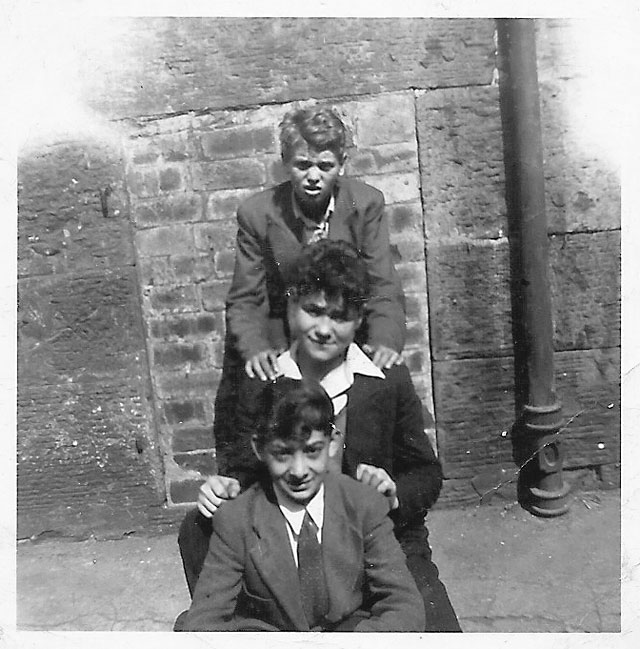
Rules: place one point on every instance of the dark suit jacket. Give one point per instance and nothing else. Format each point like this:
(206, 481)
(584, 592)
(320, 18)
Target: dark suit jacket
(268, 243)
(385, 428)
(249, 581)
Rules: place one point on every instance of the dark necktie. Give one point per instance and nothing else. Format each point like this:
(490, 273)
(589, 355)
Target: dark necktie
(313, 587)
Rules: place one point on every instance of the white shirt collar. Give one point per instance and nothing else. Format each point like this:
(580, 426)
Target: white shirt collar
(295, 514)
(338, 380)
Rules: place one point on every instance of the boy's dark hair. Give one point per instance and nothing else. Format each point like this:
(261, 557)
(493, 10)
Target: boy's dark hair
(320, 128)
(291, 410)
(334, 268)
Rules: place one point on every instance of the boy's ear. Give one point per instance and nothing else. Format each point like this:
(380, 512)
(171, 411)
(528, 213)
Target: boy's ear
(342, 164)
(254, 447)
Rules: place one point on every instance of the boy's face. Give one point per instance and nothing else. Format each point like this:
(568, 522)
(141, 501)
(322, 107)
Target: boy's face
(324, 330)
(313, 175)
(297, 468)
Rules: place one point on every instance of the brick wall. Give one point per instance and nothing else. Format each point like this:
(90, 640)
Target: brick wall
(122, 289)
(186, 176)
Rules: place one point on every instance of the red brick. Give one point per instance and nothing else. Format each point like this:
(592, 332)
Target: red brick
(184, 491)
(170, 179)
(276, 171)
(165, 240)
(409, 249)
(170, 385)
(192, 439)
(187, 326)
(405, 218)
(193, 269)
(215, 236)
(412, 276)
(177, 354)
(225, 262)
(240, 142)
(214, 295)
(228, 174)
(179, 412)
(203, 463)
(222, 205)
(173, 299)
(415, 361)
(171, 208)
(398, 187)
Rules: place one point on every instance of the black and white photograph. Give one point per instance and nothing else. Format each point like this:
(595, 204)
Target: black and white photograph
(314, 323)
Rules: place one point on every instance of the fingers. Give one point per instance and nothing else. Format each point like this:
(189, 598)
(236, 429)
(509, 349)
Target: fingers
(377, 478)
(214, 491)
(383, 357)
(263, 365)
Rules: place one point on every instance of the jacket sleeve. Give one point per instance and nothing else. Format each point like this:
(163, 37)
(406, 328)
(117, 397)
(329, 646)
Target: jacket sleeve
(235, 457)
(385, 312)
(247, 306)
(416, 470)
(220, 581)
(397, 603)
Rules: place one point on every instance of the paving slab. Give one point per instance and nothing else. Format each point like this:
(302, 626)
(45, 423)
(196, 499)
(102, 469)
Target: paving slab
(506, 572)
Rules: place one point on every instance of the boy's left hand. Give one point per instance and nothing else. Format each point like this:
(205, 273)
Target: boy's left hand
(380, 480)
(383, 357)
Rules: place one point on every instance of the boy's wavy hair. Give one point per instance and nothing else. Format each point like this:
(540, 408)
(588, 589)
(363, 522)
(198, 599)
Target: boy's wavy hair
(320, 128)
(334, 268)
(290, 410)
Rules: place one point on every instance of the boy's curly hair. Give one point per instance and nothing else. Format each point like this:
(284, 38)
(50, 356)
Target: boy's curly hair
(320, 128)
(290, 410)
(334, 268)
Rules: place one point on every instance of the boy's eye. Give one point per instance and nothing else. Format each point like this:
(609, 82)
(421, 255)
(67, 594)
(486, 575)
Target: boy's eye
(313, 452)
(303, 165)
(313, 310)
(325, 166)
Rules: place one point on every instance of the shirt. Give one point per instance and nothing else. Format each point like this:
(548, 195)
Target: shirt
(338, 381)
(336, 384)
(294, 516)
(314, 230)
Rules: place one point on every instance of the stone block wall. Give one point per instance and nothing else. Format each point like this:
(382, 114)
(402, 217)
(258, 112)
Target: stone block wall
(126, 246)
(88, 455)
(462, 174)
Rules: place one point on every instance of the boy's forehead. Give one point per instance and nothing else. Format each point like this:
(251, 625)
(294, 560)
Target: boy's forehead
(320, 299)
(293, 444)
(303, 152)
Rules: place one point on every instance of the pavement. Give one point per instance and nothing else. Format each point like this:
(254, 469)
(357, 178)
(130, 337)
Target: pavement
(506, 571)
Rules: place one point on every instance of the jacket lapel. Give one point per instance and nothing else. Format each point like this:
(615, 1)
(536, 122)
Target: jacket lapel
(344, 222)
(341, 556)
(273, 559)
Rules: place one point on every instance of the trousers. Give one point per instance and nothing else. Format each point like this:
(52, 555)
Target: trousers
(195, 534)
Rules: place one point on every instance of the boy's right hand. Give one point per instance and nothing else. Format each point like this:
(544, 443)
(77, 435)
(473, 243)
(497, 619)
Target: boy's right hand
(264, 365)
(214, 491)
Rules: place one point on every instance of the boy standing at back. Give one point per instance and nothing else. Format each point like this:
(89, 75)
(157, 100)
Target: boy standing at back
(303, 549)
(316, 202)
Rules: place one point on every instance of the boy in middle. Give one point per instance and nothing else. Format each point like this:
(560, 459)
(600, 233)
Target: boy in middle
(303, 549)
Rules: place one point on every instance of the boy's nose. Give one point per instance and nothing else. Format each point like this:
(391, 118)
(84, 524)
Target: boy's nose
(298, 467)
(323, 328)
(313, 174)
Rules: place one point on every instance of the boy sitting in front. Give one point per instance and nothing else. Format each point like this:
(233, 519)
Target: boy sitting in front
(303, 549)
